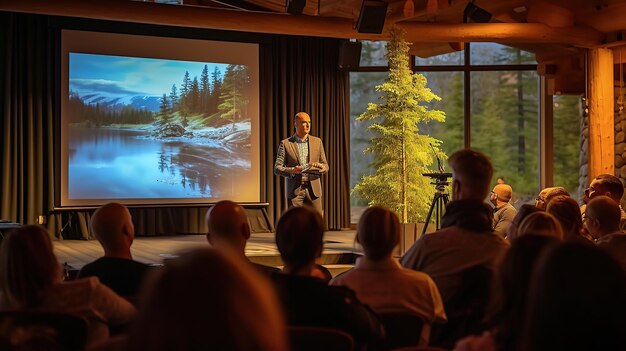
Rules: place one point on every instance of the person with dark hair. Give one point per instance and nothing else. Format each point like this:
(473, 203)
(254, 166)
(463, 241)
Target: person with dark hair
(307, 300)
(301, 160)
(208, 300)
(611, 186)
(503, 211)
(462, 256)
(381, 283)
(602, 220)
(566, 210)
(228, 229)
(113, 226)
(547, 194)
(577, 301)
(505, 314)
(32, 279)
(524, 211)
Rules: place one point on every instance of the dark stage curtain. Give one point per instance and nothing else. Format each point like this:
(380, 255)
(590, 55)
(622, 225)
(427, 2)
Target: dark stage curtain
(297, 74)
(302, 75)
(26, 101)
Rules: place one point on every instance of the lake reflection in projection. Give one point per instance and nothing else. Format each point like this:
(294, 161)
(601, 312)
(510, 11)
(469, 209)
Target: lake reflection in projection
(128, 164)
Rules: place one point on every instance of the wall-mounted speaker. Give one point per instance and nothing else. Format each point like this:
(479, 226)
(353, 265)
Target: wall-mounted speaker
(372, 16)
(349, 55)
(295, 7)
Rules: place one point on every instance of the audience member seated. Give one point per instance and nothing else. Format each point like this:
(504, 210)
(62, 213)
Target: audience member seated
(31, 279)
(208, 300)
(611, 186)
(567, 212)
(228, 229)
(380, 282)
(577, 301)
(307, 300)
(113, 226)
(503, 211)
(507, 307)
(523, 212)
(540, 223)
(547, 194)
(462, 256)
(602, 219)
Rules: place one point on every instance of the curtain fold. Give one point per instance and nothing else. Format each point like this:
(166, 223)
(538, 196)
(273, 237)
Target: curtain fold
(302, 75)
(297, 74)
(27, 128)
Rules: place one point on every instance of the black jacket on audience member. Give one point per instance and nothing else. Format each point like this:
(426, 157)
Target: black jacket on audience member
(308, 301)
(121, 275)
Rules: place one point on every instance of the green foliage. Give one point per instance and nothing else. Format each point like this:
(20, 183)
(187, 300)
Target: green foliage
(233, 104)
(567, 112)
(401, 154)
(100, 115)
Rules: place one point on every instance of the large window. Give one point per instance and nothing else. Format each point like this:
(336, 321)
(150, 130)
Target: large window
(504, 125)
(566, 126)
(494, 90)
(449, 87)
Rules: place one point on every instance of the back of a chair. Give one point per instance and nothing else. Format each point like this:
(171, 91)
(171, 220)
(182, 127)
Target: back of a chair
(315, 339)
(401, 329)
(465, 309)
(37, 330)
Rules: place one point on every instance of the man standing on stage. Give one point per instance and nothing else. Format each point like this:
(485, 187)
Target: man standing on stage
(302, 161)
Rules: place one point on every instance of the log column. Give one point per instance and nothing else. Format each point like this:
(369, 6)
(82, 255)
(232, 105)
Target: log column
(601, 129)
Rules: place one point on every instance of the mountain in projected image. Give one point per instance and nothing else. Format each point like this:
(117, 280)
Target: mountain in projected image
(115, 102)
(143, 128)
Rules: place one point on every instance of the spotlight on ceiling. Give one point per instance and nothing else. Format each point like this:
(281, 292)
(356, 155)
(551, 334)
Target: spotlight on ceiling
(476, 14)
(295, 7)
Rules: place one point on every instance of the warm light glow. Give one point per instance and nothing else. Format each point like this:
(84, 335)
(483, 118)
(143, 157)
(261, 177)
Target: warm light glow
(409, 8)
(432, 5)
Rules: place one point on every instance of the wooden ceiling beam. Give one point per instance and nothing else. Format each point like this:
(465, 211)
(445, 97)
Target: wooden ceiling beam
(272, 23)
(501, 32)
(193, 17)
(607, 19)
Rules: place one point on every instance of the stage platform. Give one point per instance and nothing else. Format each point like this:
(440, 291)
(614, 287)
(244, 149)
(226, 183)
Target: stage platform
(339, 252)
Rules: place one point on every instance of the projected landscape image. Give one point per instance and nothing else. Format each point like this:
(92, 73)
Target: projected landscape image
(141, 128)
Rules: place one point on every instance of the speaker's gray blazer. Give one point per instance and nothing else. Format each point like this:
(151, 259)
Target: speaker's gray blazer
(288, 157)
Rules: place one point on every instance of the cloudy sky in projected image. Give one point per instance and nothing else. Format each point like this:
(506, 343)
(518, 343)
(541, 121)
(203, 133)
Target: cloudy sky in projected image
(121, 75)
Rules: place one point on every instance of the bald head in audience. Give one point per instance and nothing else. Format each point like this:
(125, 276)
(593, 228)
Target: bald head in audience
(547, 194)
(471, 175)
(602, 216)
(228, 226)
(113, 226)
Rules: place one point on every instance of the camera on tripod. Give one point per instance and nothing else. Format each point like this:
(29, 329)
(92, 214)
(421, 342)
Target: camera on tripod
(439, 176)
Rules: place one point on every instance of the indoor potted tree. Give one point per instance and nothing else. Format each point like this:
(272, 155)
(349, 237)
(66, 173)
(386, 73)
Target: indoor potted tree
(401, 155)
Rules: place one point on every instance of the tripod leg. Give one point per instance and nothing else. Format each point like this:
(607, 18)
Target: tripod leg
(433, 204)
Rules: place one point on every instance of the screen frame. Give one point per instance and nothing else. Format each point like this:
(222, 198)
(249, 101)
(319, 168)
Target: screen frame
(192, 35)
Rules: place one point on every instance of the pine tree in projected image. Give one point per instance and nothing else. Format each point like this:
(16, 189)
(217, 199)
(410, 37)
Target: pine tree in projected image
(216, 90)
(401, 154)
(183, 101)
(164, 110)
(205, 90)
(233, 104)
(173, 99)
